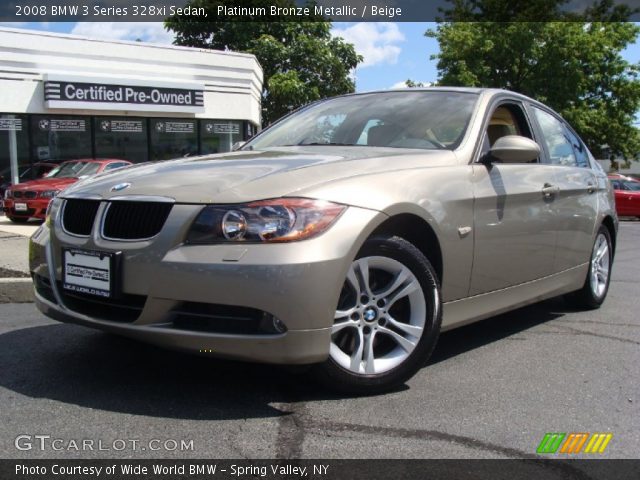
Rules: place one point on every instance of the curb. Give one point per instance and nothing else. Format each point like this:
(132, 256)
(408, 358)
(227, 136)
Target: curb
(16, 290)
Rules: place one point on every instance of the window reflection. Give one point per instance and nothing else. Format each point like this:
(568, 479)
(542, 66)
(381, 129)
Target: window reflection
(218, 136)
(173, 138)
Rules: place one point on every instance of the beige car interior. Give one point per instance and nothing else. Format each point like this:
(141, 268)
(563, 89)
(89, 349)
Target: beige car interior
(505, 122)
(382, 135)
(502, 123)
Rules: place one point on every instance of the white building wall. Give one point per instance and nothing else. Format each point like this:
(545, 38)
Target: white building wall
(634, 167)
(232, 81)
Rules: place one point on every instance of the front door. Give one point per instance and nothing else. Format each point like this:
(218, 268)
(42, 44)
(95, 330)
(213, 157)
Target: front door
(513, 213)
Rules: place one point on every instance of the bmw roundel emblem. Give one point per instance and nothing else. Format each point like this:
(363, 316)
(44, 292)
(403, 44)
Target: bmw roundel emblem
(120, 186)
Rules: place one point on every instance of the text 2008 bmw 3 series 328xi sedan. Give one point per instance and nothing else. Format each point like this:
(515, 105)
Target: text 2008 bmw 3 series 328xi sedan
(347, 235)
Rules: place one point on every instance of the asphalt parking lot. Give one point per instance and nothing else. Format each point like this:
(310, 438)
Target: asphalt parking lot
(491, 390)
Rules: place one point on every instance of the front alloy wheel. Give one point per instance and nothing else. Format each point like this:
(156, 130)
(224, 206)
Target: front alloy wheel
(387, 319)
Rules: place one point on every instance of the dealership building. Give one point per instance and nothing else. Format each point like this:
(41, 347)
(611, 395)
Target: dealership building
(64, 97)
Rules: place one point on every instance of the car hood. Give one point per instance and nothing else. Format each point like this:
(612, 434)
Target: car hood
(253, 175)
(45, 184)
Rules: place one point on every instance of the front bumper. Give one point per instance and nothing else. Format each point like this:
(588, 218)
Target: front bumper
(36, 208)
(297, 283)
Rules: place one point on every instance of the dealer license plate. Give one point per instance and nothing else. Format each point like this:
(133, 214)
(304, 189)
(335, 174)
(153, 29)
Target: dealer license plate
(87, 271)
(20, 207)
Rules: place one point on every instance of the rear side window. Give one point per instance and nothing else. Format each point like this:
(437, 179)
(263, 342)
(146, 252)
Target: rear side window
(113, 166)
(578, 148)
(556, 139)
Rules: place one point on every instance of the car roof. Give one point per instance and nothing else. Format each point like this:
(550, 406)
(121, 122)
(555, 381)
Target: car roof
(473, 90)
(621, 176)
(480, 91)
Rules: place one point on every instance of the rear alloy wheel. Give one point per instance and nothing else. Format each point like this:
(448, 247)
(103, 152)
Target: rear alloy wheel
(387, 320)
(596, 285)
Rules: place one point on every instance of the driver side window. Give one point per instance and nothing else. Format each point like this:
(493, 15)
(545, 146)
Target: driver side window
(506, 119)
(501, 124)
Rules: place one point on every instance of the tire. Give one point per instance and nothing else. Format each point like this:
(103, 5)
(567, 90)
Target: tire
(596, 285)
(18, 219)
(387, 322)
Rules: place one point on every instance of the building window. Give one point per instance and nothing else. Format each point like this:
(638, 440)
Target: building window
(218, 136)
(58, 138)
(173, 138)
(14, 147)
(250, 130)
(29, 142)
(121, 137)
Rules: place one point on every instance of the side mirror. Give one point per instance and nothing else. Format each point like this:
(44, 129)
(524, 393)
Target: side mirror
(515, 149)
(237, 146)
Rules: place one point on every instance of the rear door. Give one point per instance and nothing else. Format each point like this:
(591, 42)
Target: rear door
(576, 202)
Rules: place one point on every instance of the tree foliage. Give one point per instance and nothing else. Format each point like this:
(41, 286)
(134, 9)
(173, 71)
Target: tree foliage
(413, 84)
(536, 11)
(575, 66)
(301, 61)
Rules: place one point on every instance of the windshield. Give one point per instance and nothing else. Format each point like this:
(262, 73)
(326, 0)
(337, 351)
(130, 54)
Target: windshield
(402, 119)
(90, 168)
(73, 169)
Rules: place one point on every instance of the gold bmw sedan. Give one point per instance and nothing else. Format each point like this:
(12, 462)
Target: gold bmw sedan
(348, 235)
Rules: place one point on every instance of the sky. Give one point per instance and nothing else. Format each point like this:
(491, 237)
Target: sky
(393, 52)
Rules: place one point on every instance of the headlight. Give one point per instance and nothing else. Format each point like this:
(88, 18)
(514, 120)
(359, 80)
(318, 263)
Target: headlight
(52, 210)
(279, 220)
(7, 193)
(49, 193)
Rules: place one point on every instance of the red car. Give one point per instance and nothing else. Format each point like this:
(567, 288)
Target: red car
(30, 199)
(37, 170)
(627, 192)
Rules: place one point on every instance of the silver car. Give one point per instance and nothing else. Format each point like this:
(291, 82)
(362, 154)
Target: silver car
(348, 235)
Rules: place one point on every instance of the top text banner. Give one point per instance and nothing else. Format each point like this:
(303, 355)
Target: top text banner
(300, 10)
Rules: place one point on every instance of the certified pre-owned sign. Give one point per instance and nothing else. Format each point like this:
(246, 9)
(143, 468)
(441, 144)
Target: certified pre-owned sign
(130, 95)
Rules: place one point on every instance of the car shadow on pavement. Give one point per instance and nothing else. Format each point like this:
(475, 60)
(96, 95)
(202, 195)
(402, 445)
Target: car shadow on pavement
(79, 366)
(475, 335)
(75, 365)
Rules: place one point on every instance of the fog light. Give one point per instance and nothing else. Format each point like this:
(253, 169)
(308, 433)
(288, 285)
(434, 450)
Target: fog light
(278, 325)
(272, 324)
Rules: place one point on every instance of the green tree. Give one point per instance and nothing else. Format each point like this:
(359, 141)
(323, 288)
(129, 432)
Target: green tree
(413, 84)
(301, 61)
(574, 67)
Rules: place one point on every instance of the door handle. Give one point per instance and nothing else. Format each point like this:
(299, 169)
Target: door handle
(549, 190)
(591, 187)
